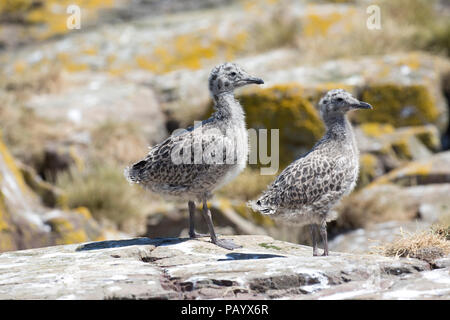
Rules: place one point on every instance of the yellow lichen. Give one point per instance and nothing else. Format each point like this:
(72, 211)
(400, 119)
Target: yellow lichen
(191, 51)
(60, 225)
(405, 175)
(49, 18)
(65, 231)
(10, 163)
(368, 165)
(319, 24)
(68, 63)
(411, 60)
(76, 236)
(48, 193)
(84, 212)
(91, 51)
(375, 130)
(4, 225)
(402, 149)
(428, 135)
(79, 162)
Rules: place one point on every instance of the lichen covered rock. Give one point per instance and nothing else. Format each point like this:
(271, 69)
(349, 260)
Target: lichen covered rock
(398, 105)
(283, 107)
(179, 268)
(384, 148)
(428, 171)
(388, 202)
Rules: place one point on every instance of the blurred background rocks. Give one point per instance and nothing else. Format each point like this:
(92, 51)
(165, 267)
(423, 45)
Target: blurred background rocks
(77, 106)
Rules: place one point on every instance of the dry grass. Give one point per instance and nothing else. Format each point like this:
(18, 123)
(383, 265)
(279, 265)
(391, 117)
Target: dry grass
(117, 143)
(426, 245)
(105, 192)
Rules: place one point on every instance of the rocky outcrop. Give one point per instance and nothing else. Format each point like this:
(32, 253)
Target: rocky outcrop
(178, 268)
(384, 148)
(416, 190)
(89, 99)
(434, 169)
(26, 223)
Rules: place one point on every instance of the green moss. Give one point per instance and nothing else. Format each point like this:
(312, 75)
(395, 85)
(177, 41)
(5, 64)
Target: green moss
(268, 246)
(284, 107)
(398, 105)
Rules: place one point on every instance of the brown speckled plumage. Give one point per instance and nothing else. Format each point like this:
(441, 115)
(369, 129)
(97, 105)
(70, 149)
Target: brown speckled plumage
(308, 189)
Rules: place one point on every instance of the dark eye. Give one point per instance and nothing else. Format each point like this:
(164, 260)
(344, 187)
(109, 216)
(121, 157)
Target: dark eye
(233, 74)
(339, 99)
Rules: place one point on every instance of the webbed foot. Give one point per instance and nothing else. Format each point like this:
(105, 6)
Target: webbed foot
(227, 244)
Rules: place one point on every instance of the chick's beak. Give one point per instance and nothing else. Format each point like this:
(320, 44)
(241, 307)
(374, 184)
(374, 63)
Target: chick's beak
(362, 105)
(254, 80)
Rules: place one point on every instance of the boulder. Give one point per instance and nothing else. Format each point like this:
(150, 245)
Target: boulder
(415, 190)
(366, 240)
(89, 99)
(384, 148)
(179, 268)
(431, 170)
(387, 202)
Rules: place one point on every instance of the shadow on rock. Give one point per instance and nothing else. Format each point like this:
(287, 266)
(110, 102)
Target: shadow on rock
(249, 256)
(129, 242)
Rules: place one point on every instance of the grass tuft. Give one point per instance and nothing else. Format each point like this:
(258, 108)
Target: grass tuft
(425, 245)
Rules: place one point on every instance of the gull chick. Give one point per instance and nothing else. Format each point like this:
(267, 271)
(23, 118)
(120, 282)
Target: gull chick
(192, 164)
(308, 189)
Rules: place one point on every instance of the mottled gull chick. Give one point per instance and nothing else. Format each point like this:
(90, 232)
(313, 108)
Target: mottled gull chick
(308, 189)
(192, 164)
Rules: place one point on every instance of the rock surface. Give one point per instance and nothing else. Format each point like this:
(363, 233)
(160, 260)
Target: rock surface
(179, 268)
(366, 239)
(87, 99)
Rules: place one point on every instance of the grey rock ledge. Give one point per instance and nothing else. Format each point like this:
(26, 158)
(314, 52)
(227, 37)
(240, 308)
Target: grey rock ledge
(177, 268)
